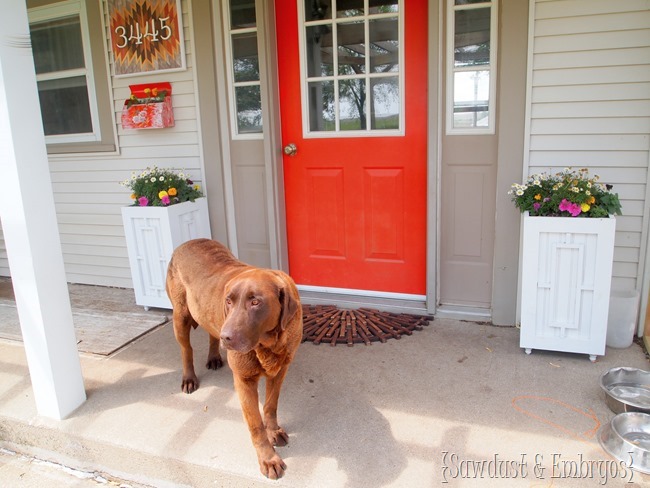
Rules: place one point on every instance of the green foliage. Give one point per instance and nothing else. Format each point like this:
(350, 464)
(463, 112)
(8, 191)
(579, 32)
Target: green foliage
(569, 193)
(156, 187)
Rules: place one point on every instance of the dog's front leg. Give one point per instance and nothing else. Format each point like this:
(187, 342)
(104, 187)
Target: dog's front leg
(214, 357)
(271, 465)
(277, 436)
(182, 327)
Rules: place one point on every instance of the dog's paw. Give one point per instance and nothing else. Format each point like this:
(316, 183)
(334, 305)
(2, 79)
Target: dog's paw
(273, 468)
(214, 363)
(190, 384)
(277, 437)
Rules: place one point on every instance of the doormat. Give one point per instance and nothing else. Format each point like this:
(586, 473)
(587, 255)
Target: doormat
(97, 332)
(330, 324)
(105, 319)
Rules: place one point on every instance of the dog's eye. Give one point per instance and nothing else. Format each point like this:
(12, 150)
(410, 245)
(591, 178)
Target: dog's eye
(228, 301)
(255, 302)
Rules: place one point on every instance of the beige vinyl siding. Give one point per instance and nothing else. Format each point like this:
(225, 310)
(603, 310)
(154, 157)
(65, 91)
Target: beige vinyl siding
(86, 187)
(589, 106)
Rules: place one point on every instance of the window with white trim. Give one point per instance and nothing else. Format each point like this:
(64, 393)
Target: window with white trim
(243, 68)
(352, 67)
(61, 48)
(471, 66)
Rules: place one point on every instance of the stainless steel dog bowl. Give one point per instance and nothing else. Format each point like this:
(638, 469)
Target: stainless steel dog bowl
(627, 438)
(626, 389)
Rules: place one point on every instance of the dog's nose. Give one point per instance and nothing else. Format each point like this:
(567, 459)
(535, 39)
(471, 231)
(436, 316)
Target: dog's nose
(226, 338)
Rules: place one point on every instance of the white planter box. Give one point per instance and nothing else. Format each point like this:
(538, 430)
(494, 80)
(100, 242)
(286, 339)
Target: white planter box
(152, 234)
(565, 285)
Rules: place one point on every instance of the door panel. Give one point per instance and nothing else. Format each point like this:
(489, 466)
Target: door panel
(468, 157)
(356, 187)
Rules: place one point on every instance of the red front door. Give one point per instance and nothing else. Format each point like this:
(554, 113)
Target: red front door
(353, 95)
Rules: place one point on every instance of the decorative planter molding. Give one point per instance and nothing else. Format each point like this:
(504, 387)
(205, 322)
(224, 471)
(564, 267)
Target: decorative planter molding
(565, 283)
(152, 234)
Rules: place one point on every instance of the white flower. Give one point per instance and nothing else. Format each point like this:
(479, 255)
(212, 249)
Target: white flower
(153, 179)
(162, 178)
(520, 193)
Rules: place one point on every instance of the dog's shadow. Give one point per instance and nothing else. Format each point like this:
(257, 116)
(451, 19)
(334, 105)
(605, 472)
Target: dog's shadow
(336, 427)
(328, 406)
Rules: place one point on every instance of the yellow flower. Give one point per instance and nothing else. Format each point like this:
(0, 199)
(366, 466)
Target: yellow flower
(197, 187)
(591, 200)
(133, 196)
(172, 192)
(538, 197)
(147, 91)
(585, 207)
(162, 194)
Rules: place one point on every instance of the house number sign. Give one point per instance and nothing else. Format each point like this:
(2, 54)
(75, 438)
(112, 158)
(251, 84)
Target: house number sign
(146, 36)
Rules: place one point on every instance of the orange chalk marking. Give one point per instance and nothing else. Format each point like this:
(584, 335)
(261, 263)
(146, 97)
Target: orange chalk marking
(582, 436)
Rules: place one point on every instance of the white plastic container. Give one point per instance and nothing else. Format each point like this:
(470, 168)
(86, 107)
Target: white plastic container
(621, 320)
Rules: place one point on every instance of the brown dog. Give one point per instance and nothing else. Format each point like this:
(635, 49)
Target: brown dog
(256, 314)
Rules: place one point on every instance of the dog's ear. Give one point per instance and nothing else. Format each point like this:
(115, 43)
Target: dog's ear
(287, 300)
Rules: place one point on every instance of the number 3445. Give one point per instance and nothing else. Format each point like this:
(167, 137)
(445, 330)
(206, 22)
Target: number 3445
(156, 31)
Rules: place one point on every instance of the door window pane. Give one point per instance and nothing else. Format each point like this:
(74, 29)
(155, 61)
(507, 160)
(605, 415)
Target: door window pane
(249, 109)
(383, 6)
(471, 96)
(318, 10)
(385, 104)
(472, 37)
(351, 49)
(242, 14)
(64, 106)
(349, 8)
(321, 106)
(352, 104)
(245, 61)
(468, 2)
(347, 59)
(384, 42)
(319, 51)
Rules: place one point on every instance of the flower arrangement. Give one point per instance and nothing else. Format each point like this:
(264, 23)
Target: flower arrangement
(156, 187)
(569, 193)
(151, 95)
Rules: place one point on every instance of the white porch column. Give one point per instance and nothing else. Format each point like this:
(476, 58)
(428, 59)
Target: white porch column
(30, 228)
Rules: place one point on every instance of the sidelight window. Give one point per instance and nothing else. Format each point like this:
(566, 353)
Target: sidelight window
(471, 66)
(243, 67)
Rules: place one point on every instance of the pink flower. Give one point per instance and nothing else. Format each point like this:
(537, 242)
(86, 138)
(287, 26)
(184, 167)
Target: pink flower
(143, 201)
(536, 206)
(573, 208)
(165, 200)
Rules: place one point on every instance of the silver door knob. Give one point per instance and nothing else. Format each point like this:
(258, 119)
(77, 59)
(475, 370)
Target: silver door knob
(290, 149)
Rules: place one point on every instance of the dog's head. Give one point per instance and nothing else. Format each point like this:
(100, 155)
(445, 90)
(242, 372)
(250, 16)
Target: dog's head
(259, 305)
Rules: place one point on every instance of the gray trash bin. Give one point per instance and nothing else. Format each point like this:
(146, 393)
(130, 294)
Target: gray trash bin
(621, 321)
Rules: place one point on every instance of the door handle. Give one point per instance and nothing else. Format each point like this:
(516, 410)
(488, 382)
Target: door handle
(290, 149)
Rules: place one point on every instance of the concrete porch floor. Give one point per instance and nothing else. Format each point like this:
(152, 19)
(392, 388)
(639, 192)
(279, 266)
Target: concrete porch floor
(417, 412)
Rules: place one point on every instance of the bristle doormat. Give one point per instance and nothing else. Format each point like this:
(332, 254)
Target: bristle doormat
(332, 325)
(97, 332)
